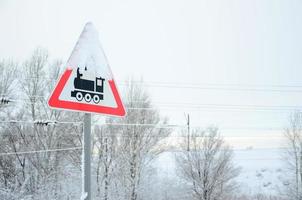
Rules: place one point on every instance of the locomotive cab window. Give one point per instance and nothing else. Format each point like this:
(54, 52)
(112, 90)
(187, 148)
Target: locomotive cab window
(99, 82)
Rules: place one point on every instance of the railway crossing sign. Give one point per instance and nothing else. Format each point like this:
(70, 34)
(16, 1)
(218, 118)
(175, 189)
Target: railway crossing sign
(87, 84)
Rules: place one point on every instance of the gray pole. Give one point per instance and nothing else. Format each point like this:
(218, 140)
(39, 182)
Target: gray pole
(87, 157)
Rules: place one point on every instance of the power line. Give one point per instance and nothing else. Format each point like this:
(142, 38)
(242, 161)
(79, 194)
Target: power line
(212, 84)
(181, 104)
(40, 151)
(221, 107)
(173, 127)
(189, 85)
(223, 87)
(42, 122)
(169, 104)
(79, 148)
(121, 135)
(185, 137)
(207, 86)
(169, 126)
(159, 126)
(200, 106)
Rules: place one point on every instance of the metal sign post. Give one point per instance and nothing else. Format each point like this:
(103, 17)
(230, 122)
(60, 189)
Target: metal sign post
(87, 157)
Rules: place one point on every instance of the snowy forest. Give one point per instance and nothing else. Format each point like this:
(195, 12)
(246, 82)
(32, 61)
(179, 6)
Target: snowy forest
(41, 148)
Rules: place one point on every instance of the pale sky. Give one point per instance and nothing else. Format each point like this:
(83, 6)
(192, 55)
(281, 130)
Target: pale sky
(186, 42)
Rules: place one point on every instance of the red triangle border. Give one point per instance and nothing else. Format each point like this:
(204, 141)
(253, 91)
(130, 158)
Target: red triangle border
(56, 103)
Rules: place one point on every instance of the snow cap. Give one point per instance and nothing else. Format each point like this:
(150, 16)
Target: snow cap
(88, 53)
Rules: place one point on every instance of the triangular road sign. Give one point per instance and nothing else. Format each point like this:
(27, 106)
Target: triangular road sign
(87, 84)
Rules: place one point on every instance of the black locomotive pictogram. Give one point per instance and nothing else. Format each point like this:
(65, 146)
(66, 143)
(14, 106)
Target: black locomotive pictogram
(87, 89)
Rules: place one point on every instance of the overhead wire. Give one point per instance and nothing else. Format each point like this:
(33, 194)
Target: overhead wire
(184, 84)
(159, 126)
(48, 122)
(209, 84)
(169, 126)
(222, 87)
(40, 151)
(199, 106)
(206, 86)
(80, 148)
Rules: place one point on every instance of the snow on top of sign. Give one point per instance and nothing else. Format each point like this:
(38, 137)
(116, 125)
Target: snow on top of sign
(89, 53)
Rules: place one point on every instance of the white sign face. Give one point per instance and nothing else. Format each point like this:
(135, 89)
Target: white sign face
(87, 84)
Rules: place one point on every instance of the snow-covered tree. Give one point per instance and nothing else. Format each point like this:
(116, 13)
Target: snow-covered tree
(36, 129)
(137, 138)
(8, 73)
(207, 168)
(106, 144)
(293, 158)
(8, 76)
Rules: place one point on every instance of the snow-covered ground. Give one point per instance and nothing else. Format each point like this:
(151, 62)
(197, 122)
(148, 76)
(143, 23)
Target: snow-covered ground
(261, 169)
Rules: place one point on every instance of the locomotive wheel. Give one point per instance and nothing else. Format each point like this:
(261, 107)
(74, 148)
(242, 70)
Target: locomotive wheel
(87, 97)
(96, 98)
(79, 96)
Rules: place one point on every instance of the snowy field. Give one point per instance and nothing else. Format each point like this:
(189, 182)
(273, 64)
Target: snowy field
(261, 169)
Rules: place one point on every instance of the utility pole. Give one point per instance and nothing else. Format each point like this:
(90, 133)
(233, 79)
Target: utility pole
(188, 134)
